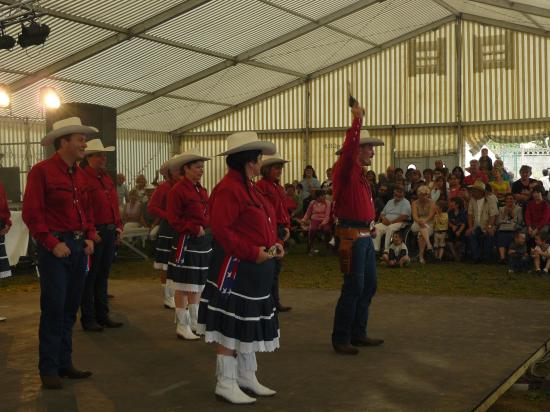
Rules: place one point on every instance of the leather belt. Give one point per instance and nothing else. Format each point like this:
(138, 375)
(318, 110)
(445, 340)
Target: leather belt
(110, 226)
(76, 235)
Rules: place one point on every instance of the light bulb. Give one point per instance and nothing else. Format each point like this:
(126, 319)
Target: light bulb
(5, 99)
(50, 98)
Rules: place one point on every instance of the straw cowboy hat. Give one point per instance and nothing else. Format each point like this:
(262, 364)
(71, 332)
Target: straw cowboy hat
(366, 139)
(478, 185)
(243, 141)
(67, 127)
(273, 159)
(96, 146)
(183, 158)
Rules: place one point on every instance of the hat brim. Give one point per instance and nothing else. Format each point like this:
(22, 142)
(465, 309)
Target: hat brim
(369, 140)
(183, 159)
(105, 149)
(267, 148)
(269, 162)
(474, 187)
(68, 130)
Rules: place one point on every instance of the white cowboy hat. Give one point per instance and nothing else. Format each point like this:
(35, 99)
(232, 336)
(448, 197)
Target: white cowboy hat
(366, 139)
(479, 185)
(183, 158)
(273, 159)
(67, 127)
(243, 141)
(96, 146)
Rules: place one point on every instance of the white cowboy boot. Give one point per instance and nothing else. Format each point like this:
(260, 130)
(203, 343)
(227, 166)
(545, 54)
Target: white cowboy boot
(246, 377)
(183, 329)
(194, 314)
(227, 386)
(168, 297)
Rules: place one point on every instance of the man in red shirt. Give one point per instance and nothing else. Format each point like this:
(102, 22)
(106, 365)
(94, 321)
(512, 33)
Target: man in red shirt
(60, 219)
(272, 168)
(103, 197)
(475, 174)
(354, 208)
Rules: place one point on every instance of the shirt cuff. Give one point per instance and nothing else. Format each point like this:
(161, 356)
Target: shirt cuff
(50, 242)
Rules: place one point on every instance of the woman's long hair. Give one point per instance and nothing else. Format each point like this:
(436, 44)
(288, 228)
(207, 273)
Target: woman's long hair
(309, 167)
(238, 161)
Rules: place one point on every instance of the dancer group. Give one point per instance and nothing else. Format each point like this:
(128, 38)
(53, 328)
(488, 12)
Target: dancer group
(222, 253)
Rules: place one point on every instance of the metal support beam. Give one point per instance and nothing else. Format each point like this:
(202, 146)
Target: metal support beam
(519, 7)
(318, 73)
(459, 43)
(249, 54)
(109, 42)
(447, 6)
(506, 25)
(307, 119)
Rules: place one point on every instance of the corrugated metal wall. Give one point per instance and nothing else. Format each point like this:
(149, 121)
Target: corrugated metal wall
(419, 141)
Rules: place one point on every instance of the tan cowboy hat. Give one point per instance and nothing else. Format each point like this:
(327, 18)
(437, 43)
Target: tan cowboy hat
(366, 139)
(183, 158)
(273, 160)
(479, 185)
(243, 141)
(67, 127)
(96, 146)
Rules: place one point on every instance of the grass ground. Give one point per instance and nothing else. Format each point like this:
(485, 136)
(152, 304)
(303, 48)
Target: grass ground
(450, 279)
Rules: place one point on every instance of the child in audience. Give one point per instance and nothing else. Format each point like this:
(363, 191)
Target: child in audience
(441, 226)
(541, 253)
(398, 254)
(518, 258)
(318, 217)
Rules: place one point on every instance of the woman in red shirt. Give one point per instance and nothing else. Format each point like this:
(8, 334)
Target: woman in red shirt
(237, 310)
(187, 213)
(5, 225)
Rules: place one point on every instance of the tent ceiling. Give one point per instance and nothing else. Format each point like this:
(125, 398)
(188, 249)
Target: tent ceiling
(165, 64)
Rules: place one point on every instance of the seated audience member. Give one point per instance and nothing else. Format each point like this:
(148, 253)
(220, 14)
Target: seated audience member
(132, 213)
(485, 162)
(454, 187)
(439, 189)
(298, 196)
(380, 199)
(291, 203)
(141, 184)
(500, 186)
(327, 184)
(423, 212)
(510, 220)
(397, 254)
(416, 182)
(371, 179)
(537, 213)
(482, 214)
(121, 189)
(518, 258)
(459, 173)
(500, 164)
(441, 226)
(439, 164)
(318, 217)
(523, 187)
(428, 176)
(541, 253)
(399, 174)
(458, 220)
(310, 185)
(393, 217)
(475, 174)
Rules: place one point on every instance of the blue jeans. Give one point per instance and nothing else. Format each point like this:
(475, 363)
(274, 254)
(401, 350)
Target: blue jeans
(95, 304)
(352, 310)
(480, 242)
(61, 283)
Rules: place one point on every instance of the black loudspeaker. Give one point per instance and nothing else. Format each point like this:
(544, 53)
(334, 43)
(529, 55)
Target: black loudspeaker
(11, 179)
(101, 117)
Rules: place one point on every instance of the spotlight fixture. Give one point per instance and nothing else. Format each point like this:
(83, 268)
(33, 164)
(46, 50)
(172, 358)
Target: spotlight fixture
(49, 98)
(5, 99)
(33, 35)
(6, 42)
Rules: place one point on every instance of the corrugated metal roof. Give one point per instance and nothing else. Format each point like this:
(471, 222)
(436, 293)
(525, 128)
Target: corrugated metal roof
(485, 10)
(25, 103)
(235, 84)
(165, 114)
(123, 13)
(65, 38)
(230, 27)
(385, 21)
(313, 51)
(314, 9)
(147, 65)
(9, 77)
(543, 21)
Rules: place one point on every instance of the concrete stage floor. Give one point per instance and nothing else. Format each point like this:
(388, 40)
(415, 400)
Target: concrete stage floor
(441, 354)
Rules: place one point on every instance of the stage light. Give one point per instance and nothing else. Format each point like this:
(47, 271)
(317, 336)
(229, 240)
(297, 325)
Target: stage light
(6, 42)
(49, 98)
(5, 99)
(33, 35)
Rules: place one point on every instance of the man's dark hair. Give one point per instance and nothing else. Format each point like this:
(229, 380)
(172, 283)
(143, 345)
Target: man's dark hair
(57, 141)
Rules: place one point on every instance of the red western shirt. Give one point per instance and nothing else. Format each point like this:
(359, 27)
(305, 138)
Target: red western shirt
(537, 214)
(157, 203)
(242, 220)
(351, 190)
(4, 209)
(103, 197)
(275, 193)
(55, 201)
(471, 179)
(187, 207)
